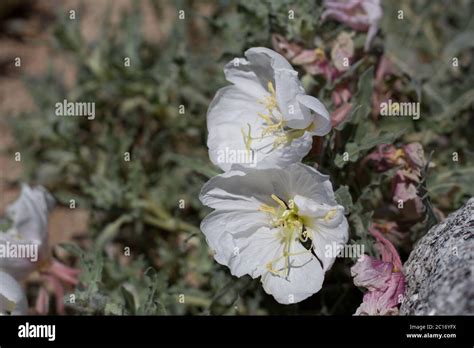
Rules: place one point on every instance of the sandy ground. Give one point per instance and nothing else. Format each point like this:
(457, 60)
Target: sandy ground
(27, 35)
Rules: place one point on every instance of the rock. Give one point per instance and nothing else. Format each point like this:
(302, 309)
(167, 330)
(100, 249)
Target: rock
(440, 269)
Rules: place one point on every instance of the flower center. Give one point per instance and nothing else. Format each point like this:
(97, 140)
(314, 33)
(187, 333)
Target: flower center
(291, 226)
(274, 123)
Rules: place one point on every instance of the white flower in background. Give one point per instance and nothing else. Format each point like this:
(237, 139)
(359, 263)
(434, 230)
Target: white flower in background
(12, 297)
(25, 244)
(275, 224)
(264, 119)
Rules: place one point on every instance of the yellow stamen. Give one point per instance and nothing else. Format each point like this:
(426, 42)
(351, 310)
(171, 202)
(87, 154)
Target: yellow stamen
(267, 209)
(275, 124)
(291, 226)
(247, 138)
(330, 215)
(271, 88)
(279, 201)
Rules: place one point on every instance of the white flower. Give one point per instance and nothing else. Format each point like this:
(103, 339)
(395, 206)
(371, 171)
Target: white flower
(265, 119)
(25, 244)
(275, 224)
(12, 297)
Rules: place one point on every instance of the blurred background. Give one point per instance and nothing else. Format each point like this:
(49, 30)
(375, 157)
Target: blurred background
(150, 204)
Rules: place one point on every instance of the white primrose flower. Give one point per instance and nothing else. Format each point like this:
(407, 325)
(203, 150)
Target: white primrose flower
(12, 297)
(24, 246)
(275, 224)
(264, 119)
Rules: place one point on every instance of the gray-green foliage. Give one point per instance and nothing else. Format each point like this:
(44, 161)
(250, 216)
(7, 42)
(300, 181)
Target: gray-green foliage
(135, 204)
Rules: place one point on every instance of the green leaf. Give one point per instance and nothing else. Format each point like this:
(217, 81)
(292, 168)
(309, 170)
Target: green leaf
(344, 198)
(129, 300)
(111, 230)
(362, 100)
(368, 142)
(197, 165)
(73, 249)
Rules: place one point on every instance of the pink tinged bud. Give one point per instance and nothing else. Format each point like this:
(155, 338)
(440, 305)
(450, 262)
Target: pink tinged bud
(340, 114)
(287, 49)
(371, 273)
(384, 302)
(407, 193)
(64, 273)
(342, 51)
(408, 175)
(340, 96)
(390, 230)
(386, 249)
(404, 192)
(307, 57)
(42, 301)
(58, 295)
(58, 275)
(385, 157)
(383, 279)
(384, 68)
(415, 155)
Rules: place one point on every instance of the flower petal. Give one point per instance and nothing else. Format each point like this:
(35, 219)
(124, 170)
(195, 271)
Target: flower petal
(306, 181)
(29, 230)
(244, 189)
(12, 297)
(316, 111)
(223, 228)
(288, 87)
(254, 253)
(233, 114)
(371, 273)
(305, 277)
(30, 213)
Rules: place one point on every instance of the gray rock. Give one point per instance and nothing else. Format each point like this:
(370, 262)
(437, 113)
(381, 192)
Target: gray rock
(440, 269)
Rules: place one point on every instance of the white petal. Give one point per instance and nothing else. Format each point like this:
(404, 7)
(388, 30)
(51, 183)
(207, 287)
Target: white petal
(12, 297)
(219, 240)
(255, 252)
(232, 112)
(266, 59)
(327, 234)
(245, 189)
(241, 241)
(316, 209)
(30, 229)
(241, 73)
(306, 181)
(317, 111)
(223, 228)
(305, 278)
(253, 74)
(327, 241)
(283, 156)
(30, 213)
(287, 87)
